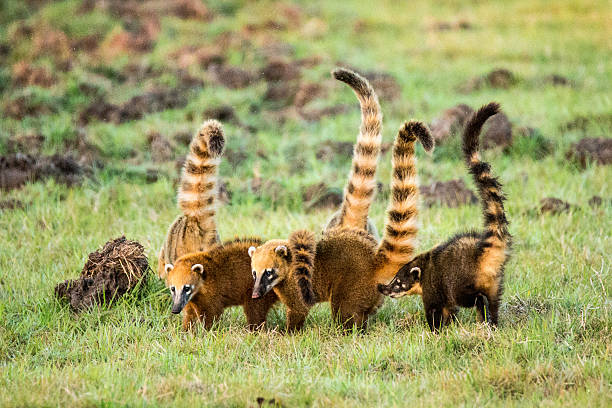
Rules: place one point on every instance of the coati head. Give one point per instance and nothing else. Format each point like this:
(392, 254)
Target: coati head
(270, 263)
(407, 281)
(184, 279)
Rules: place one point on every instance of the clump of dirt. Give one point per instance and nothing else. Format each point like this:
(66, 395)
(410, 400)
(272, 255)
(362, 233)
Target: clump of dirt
(182, 138)
(108, 274)
(331, 150)
(386, 86)
(161, 148)
(53, 43)
(557, 80)
(189, 9)
(451, 25)
(306, 93)
(596, 201)
(26, 105)
(582, 122)
(153, 101)
(236, 156)
(281, 92)
(232, 77)
(498, 78)
(320, 195)
(554, 205)
(313, 115)
(223, 113)
(452, 193)
(18, 169)
(24, 74)
(280, 70)
(138, 39)
(498, 132)
(591, 150)
(202, 56)
(11, 204)
(450, 122)
(29, 141)
(88, 43)
(224, 194)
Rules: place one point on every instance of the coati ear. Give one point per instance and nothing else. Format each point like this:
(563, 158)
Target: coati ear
(168, 268)
(198, 268)
(282, 251)
(415, 273)
(251, 250)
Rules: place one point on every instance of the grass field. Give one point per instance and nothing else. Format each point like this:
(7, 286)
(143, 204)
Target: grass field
(554, 343)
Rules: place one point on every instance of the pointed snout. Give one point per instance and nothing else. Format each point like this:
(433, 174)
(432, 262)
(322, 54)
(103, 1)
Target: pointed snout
(384, 289)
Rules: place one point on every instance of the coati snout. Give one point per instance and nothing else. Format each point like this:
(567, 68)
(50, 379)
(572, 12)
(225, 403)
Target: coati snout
(182, 286)
(407, 281)
(266, 277)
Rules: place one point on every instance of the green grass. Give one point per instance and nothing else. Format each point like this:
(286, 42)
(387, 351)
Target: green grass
(554, 343)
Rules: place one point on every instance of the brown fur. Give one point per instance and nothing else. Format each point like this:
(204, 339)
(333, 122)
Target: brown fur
(196, 229)
(348, 262)
(361, 186)
(467, 270)
(225, 280)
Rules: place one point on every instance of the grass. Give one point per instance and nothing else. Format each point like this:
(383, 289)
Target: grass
(554, 345)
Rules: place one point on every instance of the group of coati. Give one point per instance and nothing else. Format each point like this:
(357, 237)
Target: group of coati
(347, 265)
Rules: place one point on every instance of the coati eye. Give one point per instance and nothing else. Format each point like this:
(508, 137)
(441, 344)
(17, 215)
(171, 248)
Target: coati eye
(254, 274)
(172, 289)
(187, 289)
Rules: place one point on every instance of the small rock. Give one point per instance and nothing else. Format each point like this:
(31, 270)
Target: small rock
(450, 122)
(595, 150)
(498, 132)
(553, 205)
(452, 193)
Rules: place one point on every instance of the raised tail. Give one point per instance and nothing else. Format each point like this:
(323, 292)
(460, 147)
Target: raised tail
(399, 238)
(489, 187)
(361, 187)
(197, 194)
(302, 246)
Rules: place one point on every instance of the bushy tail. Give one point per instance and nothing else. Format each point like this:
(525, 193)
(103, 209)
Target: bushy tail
(302, 245)
(399, 238)
(361, 187)
(489, 188)
(197, 194)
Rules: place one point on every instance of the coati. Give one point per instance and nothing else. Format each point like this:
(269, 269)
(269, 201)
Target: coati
(345, 266)
(468, 269)
(196, 229)
(205, 283)
(360, 189)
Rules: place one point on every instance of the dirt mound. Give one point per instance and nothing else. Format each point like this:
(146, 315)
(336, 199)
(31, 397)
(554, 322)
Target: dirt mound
(557, 80)
(54, 43)
(597, 201)
(11, 204)
(498, 78)
(386, 86)
(596, 150)
(452, 193)
(202, 56)
(306, 93)
(313, 115)
(107, 275)
(30, 142)
(223, 113)
(450, 122)
(498, 132)
(320, 195)
(18, 169)
(582, 122)
(88, 43)
(281, 92)
(279, 70)
(554, 205)
(161, 148)
(232, 77)
(153, 101)
(24, 74)
(330, 150)
(450, 25)
(27, 105)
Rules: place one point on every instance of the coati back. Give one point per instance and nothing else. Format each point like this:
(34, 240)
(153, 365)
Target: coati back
(468, 269)
(361, 186)
(196, 229)
(348, 262)
(204, 283)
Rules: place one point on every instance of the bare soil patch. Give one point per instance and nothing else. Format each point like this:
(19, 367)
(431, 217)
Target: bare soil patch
(591, 150)
(553, 205)
(19, 169)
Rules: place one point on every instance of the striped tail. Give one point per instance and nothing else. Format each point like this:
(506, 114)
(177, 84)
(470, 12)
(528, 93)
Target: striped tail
(361, 187)
(489, 187)
(302, 246)
(197, 194)
(399, 239)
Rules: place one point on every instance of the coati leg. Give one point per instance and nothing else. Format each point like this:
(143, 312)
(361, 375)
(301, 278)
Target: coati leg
(434, 317)
(482, 306)
(256, 311)
(494, 308)
(295, 320)
(190, 317)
